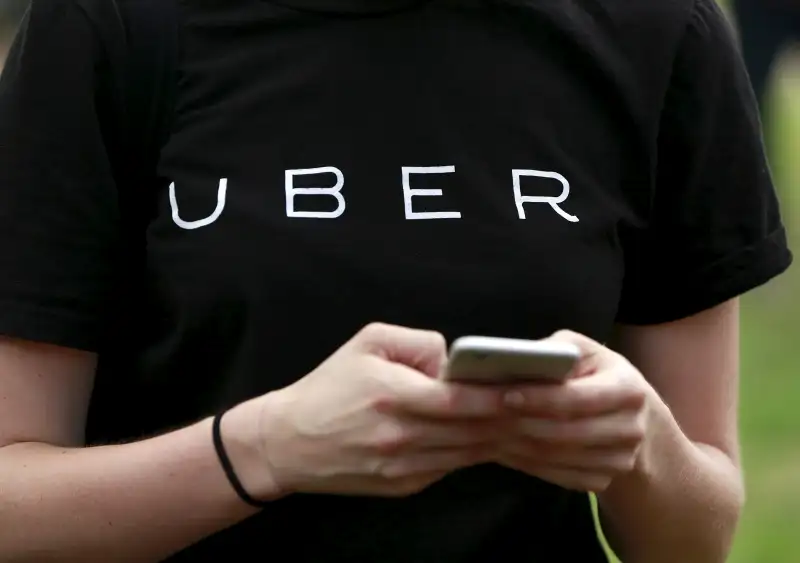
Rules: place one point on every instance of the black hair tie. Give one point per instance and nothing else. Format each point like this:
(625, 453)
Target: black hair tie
(227, 467)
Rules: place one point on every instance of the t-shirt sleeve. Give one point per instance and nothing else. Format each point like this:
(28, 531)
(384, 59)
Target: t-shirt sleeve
(58, 202)
(714, 230)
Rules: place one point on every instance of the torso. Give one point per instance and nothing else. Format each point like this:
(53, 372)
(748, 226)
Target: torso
(254, 283)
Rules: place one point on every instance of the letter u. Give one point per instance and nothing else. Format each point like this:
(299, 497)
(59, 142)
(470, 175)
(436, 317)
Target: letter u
(222, 193)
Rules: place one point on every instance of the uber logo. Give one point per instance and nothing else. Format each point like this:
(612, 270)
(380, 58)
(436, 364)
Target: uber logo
(332, 182)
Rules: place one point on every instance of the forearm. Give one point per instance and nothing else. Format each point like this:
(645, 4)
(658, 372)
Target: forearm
(138, 502)
(682, 502)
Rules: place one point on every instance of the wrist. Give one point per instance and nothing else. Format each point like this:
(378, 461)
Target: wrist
(244, 444)
(664, 444)
(662, 450)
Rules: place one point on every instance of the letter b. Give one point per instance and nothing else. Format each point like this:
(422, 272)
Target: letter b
(334, 191)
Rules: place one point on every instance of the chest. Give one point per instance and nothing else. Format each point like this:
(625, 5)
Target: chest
(463, 173)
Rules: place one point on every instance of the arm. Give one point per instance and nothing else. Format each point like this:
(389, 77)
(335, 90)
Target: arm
(683, 500)
(137, 502)
(713, 232)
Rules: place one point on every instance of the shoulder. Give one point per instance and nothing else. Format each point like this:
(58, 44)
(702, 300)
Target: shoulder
(675, 21)
(645, 14)
(667, 43)
(639, 41)
(87, 17)
(651, 28)
(74, 34)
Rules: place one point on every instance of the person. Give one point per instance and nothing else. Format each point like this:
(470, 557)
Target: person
(766, 28)
(346, 187)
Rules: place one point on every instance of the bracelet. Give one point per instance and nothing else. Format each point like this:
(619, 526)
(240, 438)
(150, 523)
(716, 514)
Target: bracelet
(227, 466)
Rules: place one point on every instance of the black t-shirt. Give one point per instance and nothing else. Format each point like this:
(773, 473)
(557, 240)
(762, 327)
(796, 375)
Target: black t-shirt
(507, 168)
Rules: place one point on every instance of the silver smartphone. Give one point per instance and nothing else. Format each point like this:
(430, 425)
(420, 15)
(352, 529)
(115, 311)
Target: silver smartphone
(508, 361)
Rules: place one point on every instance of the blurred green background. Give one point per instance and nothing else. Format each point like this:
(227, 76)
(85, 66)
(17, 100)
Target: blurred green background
(770, 389)
(771, 366)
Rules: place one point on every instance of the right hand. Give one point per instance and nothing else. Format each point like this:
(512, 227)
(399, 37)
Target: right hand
(374, 419)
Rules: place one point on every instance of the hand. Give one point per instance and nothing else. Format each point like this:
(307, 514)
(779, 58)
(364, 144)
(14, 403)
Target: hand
(583, 433)
(373, 419)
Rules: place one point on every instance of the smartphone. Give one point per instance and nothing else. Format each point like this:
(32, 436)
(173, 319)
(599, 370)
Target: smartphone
(508, 361)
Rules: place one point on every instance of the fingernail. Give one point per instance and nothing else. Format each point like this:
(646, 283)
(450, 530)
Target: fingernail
(514, 398)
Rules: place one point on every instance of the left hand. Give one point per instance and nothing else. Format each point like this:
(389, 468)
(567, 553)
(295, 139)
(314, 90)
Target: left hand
(583, 433)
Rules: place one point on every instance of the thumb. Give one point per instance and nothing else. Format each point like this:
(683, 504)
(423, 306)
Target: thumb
(593, 354)
(422, 350)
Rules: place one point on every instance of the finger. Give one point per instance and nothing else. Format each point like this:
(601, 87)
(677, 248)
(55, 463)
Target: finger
(587, 345)
(612, 430)
(423, 350)
(594, 356)
(413, 484)
(591, 396)
(378, 486)
(420, 396)
(573, 479)
(424, 434)
(611, 461)
(428, 462)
